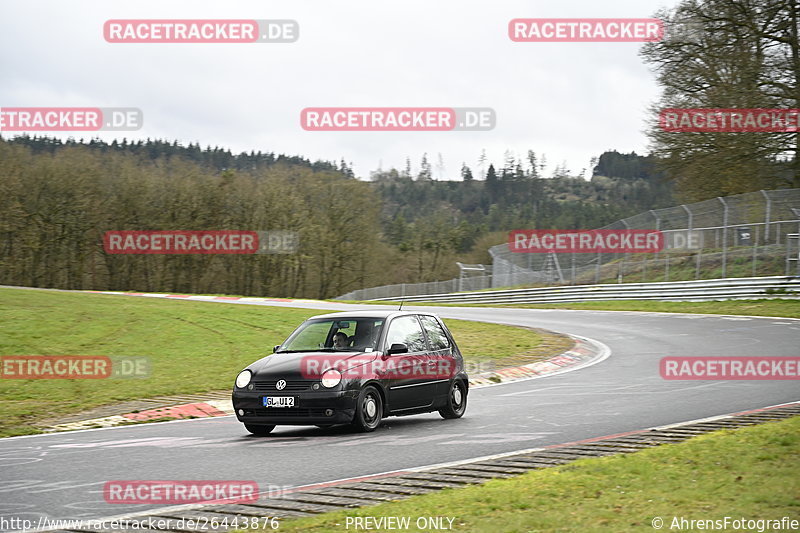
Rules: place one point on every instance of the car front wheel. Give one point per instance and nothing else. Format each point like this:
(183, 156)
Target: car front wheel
(369, 410)
(456, 401)
(261, 431)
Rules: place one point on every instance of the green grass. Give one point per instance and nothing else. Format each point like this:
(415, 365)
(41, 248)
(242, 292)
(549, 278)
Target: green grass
(193, 347)
(749, 473)
(480, 340)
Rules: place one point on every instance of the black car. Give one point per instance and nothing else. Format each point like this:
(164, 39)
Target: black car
(354, 368)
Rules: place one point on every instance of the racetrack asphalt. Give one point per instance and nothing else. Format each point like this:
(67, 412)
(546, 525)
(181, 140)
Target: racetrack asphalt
(62, 475)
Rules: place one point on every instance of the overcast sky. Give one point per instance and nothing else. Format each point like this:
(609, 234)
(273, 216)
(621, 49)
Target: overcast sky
(569, 101)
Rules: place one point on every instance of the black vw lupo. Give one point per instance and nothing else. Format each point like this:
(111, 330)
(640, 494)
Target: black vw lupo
(354, 368)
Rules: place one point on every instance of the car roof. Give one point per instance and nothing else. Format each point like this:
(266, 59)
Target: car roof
(371, 314)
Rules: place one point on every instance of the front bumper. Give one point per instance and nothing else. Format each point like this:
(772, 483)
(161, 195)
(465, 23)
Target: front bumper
(311, 408)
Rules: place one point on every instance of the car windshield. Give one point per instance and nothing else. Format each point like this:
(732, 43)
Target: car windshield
(342, 334)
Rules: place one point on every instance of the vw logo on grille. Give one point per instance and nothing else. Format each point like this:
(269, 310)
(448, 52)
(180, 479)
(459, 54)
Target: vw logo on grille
(281, 384)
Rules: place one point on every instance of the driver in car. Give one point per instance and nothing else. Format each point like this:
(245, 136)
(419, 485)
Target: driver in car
(340, 340)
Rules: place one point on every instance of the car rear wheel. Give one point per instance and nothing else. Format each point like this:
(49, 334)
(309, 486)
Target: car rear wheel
(369, 410)
(456, 401)
(261, 431)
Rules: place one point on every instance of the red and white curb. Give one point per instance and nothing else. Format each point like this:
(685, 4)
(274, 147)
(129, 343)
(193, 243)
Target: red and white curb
(585, 353)
(200, 297)
(206, 409)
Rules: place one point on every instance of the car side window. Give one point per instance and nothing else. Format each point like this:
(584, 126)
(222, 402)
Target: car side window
(406, 330)
(436, 335)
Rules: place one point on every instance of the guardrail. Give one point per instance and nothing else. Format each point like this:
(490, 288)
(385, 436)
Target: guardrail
(676, 291)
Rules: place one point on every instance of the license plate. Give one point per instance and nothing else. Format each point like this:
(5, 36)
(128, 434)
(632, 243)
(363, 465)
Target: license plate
(278, 401)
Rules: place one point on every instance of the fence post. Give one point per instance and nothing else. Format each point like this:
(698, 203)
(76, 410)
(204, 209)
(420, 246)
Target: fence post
(573, 269)
(768, 216)
(724, 237)
(796, 213)
(597, 270)
(658, 219)
(690, 216)
(755, 250)
(621, 272)
(697, 267)
(658, 228)
(690, 221)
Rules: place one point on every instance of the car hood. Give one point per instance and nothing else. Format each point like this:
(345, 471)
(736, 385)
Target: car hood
(301, 364)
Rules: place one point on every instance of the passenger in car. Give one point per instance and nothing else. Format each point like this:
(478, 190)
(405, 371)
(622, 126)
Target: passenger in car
(365, 336)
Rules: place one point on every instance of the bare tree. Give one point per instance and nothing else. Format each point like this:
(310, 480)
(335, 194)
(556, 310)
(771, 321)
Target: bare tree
(727, 54)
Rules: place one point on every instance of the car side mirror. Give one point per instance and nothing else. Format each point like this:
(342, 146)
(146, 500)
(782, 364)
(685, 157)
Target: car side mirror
(397, 348)
(275, 348)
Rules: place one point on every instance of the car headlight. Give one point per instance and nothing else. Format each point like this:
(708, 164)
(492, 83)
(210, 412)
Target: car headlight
(331, 378)
(243, 378)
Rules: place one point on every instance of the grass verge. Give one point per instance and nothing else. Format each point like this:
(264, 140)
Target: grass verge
(193, 347)
(750, 473)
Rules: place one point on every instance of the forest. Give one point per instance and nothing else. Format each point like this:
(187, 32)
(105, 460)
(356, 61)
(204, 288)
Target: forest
(58, 198)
